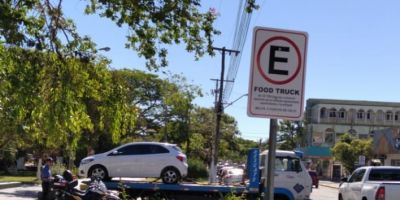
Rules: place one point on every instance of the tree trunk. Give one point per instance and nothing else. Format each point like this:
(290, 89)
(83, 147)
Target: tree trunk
(188, 137)
(39, 167)
(70, 163)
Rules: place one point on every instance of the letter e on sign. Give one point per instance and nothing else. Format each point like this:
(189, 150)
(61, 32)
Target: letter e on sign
(278, 61)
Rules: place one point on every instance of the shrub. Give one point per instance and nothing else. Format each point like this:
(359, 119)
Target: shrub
(58, 168)
(197, 169)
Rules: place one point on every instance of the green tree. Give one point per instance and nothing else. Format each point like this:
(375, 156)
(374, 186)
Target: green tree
(348, 149)
(152, 26)
(56, 91)
(46, 100)
(179, 100)
(232, 147)
(144, 92)
(164, 105)
(290, 134)
(202, 128)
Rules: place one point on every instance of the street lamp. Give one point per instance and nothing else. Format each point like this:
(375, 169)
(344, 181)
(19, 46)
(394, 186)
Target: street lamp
(229, 104)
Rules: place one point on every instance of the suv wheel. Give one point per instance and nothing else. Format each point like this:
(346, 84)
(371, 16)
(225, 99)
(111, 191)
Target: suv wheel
(170, 175)
(99, 171)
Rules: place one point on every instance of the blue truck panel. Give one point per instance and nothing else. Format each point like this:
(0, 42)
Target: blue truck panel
(253, 170)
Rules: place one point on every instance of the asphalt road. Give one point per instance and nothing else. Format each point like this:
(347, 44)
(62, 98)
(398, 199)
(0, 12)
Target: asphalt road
(324, 193)
(23, 192)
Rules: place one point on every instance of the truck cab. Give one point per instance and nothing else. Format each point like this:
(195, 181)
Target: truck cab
(292, 181)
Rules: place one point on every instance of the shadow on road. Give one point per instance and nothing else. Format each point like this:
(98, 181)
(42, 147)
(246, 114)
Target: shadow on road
(22, 192)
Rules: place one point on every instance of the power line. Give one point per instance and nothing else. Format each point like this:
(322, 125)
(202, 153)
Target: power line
(242, 25)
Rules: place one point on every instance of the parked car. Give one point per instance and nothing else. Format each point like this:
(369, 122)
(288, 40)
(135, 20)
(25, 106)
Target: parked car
(138, 160)
(372, 182)
(314, 177)
(231, 176)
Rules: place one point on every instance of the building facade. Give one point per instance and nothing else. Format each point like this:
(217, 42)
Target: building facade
(328, 119)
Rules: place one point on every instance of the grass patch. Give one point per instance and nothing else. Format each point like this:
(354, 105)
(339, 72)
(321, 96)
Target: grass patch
(23, 176)
(23, 179)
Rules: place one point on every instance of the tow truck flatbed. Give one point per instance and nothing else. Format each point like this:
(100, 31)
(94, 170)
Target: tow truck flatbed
(183, 187)
(192, 190)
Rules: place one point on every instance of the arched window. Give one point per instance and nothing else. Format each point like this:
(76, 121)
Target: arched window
(389, 116)
(332, 113)
(322, 113)
(396, 116)
(360, 114)
(342, 113)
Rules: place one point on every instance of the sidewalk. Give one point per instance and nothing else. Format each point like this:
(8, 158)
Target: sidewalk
(4, 185)
(330, 184)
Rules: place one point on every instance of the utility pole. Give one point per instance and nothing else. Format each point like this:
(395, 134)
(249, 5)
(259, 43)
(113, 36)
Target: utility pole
(218, 110)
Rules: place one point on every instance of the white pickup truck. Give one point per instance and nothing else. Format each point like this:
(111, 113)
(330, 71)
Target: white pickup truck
(371, 183)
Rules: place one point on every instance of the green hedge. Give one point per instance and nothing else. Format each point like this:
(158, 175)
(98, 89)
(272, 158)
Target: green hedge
(197, 169)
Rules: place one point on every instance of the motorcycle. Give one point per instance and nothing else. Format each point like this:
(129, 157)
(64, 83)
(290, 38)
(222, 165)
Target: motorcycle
(64, 189)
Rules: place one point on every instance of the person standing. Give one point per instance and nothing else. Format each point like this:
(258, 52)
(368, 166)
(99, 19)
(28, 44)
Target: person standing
(46, 178)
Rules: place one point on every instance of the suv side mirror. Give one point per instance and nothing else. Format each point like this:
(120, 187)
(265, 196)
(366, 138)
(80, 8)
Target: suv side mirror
(114, 153)
(343, 180)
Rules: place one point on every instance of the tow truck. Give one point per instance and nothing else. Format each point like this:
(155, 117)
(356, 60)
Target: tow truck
(292, 182)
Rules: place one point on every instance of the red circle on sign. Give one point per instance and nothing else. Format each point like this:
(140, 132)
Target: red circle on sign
(264, 75)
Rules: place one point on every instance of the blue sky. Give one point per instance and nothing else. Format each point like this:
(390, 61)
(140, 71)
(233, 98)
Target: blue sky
(353, 50)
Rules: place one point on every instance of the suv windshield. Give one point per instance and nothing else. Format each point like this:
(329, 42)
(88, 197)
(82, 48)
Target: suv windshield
(284, 163)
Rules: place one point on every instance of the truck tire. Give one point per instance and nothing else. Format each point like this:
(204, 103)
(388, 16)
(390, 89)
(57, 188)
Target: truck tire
(280, 197)
(40, 195)
(170, 175)
(100, 172)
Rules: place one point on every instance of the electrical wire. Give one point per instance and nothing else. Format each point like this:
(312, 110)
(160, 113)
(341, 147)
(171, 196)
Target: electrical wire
(242, 25)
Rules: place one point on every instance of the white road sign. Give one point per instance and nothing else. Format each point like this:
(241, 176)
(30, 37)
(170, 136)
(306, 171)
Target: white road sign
(361, 160)
(277, 76)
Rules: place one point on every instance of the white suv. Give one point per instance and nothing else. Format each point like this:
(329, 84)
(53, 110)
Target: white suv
(138, 160)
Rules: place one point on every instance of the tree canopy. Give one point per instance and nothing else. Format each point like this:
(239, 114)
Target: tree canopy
(50, 102)
(290, 135)
(349, 148)
(152, 26)
(57, 93)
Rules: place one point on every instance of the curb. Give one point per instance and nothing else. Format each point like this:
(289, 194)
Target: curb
(330, 186)
(9, 185)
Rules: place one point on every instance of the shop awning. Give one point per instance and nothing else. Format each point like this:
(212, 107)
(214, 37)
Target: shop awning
(316, 151)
